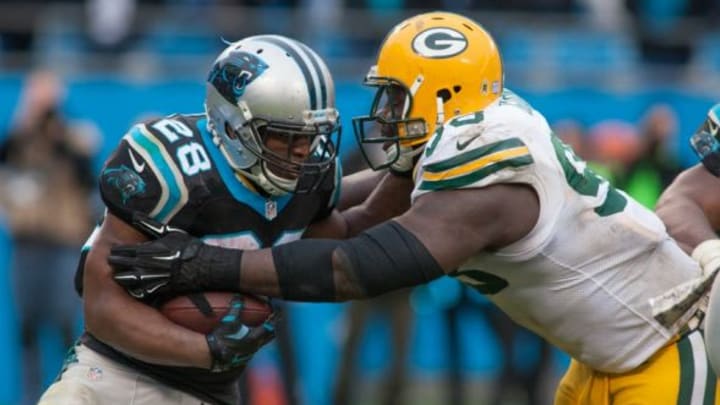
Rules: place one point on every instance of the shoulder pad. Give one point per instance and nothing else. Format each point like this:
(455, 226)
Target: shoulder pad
(142, 174)
(469, 150)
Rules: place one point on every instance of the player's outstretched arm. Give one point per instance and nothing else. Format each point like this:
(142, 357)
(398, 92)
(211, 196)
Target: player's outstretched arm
(690, 207)
(441, 231)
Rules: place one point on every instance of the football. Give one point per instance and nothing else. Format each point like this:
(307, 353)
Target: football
(189, 310)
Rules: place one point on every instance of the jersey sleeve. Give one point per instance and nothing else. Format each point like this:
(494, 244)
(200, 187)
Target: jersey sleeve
(476, 151)
(131, 179)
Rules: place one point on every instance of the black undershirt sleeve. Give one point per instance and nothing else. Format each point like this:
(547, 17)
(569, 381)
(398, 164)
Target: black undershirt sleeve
(384, 258)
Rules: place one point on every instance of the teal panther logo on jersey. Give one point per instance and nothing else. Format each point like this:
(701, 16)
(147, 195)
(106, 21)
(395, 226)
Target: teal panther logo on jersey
(128, 183)
(232, 77)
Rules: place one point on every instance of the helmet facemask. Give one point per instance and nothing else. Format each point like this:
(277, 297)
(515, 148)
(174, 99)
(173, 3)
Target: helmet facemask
(706, 141)
(291, 158)
(388, 127)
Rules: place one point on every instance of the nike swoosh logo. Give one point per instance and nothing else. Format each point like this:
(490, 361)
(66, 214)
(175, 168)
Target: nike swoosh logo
(462, 145)
(137, 166)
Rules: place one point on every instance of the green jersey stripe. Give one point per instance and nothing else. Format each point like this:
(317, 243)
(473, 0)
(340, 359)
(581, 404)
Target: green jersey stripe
(687, 371)
(478, 175)
(473, 154)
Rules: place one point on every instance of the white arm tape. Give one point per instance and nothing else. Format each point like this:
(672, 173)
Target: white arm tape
(707, 254)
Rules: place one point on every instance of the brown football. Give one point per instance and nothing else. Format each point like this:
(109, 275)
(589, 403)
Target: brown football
(183, 311)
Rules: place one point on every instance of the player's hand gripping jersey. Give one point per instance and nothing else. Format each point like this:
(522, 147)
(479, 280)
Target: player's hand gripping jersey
(584, 276)
(169, 170)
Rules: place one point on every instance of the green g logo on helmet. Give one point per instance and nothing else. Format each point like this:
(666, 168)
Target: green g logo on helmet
(439, 42)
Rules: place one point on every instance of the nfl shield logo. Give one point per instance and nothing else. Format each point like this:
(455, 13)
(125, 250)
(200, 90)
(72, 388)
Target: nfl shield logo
(270, 209)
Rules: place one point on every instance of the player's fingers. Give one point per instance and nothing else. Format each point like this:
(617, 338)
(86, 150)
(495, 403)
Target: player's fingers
(127, 279)
(262, 334)
(124, 251)
(121, 262)
(236, 306)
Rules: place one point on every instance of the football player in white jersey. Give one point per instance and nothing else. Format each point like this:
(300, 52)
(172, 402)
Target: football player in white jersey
(690, 207)
(504, 206)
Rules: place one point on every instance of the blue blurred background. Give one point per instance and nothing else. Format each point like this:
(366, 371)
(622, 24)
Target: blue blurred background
(626, 82)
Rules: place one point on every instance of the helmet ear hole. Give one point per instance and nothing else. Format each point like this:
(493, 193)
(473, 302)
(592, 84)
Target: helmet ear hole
(457, 89)
(444, 94)
(231, 133)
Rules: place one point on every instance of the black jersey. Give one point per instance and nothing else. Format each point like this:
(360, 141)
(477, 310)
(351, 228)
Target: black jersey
(171, 170)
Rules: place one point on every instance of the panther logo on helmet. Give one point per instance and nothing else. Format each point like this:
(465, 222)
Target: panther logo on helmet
(232, 77)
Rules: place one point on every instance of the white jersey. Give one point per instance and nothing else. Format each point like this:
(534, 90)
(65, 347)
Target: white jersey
(583, 277)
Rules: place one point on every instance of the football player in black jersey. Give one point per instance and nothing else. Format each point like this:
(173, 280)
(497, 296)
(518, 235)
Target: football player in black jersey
(258, 168)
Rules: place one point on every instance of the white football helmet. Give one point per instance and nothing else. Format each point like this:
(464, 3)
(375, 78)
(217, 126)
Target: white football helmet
(270, 84)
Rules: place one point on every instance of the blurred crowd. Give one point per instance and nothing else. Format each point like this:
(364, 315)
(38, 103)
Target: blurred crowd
(47, 187)
(664, 31)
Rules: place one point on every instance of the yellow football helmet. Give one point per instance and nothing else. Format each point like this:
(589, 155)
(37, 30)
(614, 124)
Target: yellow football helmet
(430, 68)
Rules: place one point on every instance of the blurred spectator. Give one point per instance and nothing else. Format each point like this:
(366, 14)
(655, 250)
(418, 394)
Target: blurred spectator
(639, 160)
(571, 133)
(20, 36)
(395, 309)
(662, 30)
(110, 23)
(251, 392)
(396, 312)
(613, 146)
(656, 165)
(46, 181)
(525, 358)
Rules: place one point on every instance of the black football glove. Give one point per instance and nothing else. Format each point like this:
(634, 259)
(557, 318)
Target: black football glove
(232, 343)
(175, 263)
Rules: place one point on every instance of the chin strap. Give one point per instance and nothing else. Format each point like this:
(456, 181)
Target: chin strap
(256, 174)
(266, 180)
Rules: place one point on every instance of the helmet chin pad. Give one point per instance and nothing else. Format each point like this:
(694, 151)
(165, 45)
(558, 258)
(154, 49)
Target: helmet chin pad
(271, 183)
(247, 164)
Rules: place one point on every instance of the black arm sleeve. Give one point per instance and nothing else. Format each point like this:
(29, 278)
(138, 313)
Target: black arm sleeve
(384, 258)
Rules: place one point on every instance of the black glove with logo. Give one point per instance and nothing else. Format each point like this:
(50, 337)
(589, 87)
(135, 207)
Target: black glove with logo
(232, 344)
(175, 263)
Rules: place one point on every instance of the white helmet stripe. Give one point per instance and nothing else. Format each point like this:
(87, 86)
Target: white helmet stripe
(287, 46)
(320, 73)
